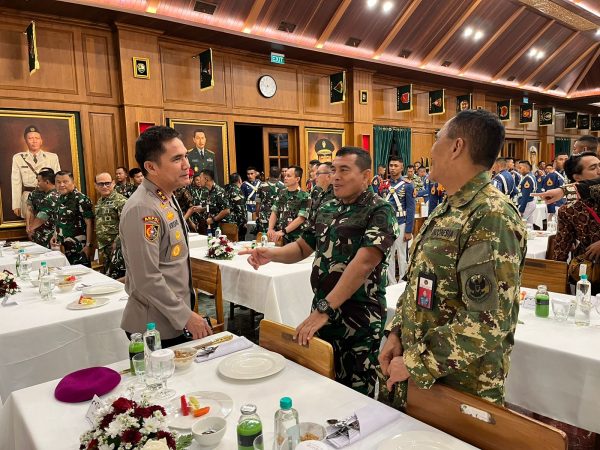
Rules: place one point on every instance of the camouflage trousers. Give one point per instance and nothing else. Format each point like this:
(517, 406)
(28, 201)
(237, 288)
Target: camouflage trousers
(262, 222)
(114, 263)
(355, 334)
(42, 236)
(74, 251)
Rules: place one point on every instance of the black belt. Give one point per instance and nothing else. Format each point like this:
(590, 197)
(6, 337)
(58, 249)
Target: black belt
(28, 189)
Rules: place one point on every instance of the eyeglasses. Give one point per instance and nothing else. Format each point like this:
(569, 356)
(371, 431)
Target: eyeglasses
(323, 173)
(104, 183)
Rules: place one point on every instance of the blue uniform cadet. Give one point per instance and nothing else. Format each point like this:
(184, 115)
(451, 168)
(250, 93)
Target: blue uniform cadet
(436, 195)
(526, 203)
(426, 188)
(250, 190)
(505, 183)
(516, 177)
(554, 180)
(540, 179)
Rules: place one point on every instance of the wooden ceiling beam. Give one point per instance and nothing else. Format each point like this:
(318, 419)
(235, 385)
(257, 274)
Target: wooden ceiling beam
(585, 71)
(550, 58)
(253, 15)
(521, 52)
(406, 15)
(335, 19)
(493, 39)
(152, 6)
(572, 66)
(459, 23)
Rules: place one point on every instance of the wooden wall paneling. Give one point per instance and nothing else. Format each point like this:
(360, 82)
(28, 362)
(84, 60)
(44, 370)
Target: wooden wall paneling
(421, 145)
(360, 80)
(132, 115)
(105, 148)
(98, 65)
(420, 112)
(315, 96)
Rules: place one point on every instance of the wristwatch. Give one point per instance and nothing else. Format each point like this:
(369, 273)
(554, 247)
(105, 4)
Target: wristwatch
(284, 232)
(89, 244)
(324, 307)
(570, 192)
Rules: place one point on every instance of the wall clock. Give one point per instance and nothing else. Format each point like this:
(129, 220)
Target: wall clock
(267, 86)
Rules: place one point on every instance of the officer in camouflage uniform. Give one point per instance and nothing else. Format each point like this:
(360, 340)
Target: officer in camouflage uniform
(74, 220)
(199, 195)
(137, 177)
(218, 206)
(42, 224)
(122, 182)
(108, 215)
(323, 187)
(456, 320)
(290, 210)
(237, 201)
(265, 197)
(351, 237)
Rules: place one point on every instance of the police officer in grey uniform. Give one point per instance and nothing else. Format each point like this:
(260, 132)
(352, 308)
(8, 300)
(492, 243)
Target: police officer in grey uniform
(154, 239)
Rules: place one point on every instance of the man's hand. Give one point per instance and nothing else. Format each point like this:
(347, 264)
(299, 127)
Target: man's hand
(258, 256)
(307, 329)
(198, 209)
(271, 234)
(198, 326)
(209, 221)
(551, 196)
(593, 252)
(88, 251)
(17, 212)
(398, 372)
(391, 349)
(407, 237)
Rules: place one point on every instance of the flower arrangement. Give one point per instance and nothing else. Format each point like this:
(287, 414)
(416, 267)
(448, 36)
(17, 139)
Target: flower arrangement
(8, 285)
(128, 425)
(219, 248)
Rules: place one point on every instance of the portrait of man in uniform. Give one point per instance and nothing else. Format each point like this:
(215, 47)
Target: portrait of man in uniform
(323, 143)
(33, 140)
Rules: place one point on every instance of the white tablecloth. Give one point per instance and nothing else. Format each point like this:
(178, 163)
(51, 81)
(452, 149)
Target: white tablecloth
(540, 214)
(198, 240)
(536, 248)
(281, 292)
(33, 419)
(36, 254)
(40, 340)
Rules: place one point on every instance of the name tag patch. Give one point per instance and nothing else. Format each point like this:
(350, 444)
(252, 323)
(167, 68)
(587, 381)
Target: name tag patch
(444, 233)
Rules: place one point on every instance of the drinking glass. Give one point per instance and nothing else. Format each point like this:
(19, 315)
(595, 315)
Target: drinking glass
(2, 243)
(25, 269)
(560, 309)
(162, 368)
(139, 366)
(47, 284)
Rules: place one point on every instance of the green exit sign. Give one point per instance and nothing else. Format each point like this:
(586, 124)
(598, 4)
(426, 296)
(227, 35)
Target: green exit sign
(277, 58)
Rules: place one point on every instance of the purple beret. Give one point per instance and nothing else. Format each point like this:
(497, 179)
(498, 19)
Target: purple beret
(81, 385)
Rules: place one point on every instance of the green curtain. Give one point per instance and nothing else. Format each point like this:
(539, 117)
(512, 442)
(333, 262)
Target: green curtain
(562, 146)
(384, 139)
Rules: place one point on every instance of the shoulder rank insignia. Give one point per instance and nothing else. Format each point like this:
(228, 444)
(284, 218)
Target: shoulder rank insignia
(161, 195)
(549, 182)
(178, 235)
(527, 185)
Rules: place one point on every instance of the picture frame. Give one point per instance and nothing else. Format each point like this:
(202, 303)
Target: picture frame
(363, 97)
(141, 68)
(143, 126)
(215, 141)
(323, 143)
(60, 136)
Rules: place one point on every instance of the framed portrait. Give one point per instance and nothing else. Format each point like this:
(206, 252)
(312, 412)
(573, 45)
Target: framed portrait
(363, 97)
(34, 140)
(141, 67)
(206, 142)
(533, 153)
(143, 126)
(323, 143)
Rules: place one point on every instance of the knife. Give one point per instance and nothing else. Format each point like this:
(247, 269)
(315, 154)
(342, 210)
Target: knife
(214, 342)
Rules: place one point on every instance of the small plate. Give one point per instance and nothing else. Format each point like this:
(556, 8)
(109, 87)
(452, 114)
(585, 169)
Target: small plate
(100, 301)
(77, 271)
(102, 289)
(422, 440)
(22, 244)
(37, 251)
(220, 404)
(251, 365)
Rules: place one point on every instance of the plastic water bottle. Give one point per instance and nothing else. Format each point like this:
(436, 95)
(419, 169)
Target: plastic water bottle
(286, 418)
(43, 272)
(19, 261)
(583, 294)
(151, 339)
(209, 234)
(218, 232)
(264, 240)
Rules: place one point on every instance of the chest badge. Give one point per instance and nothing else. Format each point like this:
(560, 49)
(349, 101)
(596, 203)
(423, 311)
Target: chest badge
(478, 287)
(176, 251)
(170, 215)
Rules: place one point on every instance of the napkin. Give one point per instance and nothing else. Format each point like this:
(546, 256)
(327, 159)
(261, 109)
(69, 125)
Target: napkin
(233, 346)
(370, 418)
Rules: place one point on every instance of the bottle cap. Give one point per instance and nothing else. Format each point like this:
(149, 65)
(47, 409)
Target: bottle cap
(583, 277)
(151, 326)
(21, 250)
(285, 403)
(136, 337)
(582, 269)
(43, 264)
(248, 409)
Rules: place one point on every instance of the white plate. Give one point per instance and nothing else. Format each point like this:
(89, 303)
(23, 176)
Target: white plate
(102, 289)
(77, 271)
(251, 365)
(100, 301)
(422, 440)
(220, 404)
(36, 251)
(22, 244)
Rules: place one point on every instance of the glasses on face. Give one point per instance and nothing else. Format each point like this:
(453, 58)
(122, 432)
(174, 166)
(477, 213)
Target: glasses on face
(103, 183)
(323, 173)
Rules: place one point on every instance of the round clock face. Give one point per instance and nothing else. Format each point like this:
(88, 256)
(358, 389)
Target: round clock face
(267, 86)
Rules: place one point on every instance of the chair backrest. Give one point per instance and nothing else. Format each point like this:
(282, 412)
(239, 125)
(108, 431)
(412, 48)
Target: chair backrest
(479, 422)
(230, 230)
(554, 274)
(206, 277)
(317, 355)
(550, 247)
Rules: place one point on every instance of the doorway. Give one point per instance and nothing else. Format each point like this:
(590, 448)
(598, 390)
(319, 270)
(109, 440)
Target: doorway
(248, 147)
(279, 147)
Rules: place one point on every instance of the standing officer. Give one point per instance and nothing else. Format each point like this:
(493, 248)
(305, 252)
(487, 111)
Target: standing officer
(108, 215)
(200, 157)
(237, 203)
(74, 220)
(455, 321)
(250, 188)
(154, 240)
(325, 190)
(43, 223)
(554, 180)
(377, 181)
(218, 207)
(265, 197)
(504, 181)
(35, 199)
(526, 202)
(26, 166)
(510, 163)
(122, 184)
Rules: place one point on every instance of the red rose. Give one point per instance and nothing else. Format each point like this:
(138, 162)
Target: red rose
(169, 437)
(229, 249)
(122, 404)
(131, 435)
(142, 412)
(93, 444)
(157, 408)
(106, 420)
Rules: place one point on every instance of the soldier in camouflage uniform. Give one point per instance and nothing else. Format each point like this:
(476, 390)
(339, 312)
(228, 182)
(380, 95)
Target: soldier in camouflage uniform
(323, 188)
(74, 220)
(290, 210)
(351, 237)
(265, 197)
(108, 215)
(137, 177)
(199, 195)
(455, 321)
(42, 225)
(122, 182)
(218, 207)
(237, 201)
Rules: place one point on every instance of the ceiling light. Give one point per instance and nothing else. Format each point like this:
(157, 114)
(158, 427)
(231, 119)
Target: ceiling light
(387, 7)
(598, 32)
(468, 32)
(540, 55)
(478, 35)
(532, 52)
(371, 3)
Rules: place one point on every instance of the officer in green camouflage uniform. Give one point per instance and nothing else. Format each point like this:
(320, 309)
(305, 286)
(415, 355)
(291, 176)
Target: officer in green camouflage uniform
(128, 189)
(265, 197)
(218, 206)
(42, 224)
(290, 210)
(323, 189)
(121, 183)
(108, 215)
(33, 204)
(237, 201)
(351, 237)
(455, 321)
(74, 220)
(199, 195)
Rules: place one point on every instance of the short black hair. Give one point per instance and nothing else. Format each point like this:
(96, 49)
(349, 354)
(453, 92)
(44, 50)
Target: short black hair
(199, 130)
(410, 166)
(509, 159)
(297, 171)
(47, 175)
(275, 172)
(422, 167)
(314, 162)
(234, 178)
(589, 140)
(527, 163)
(149, 145)
(122, 167)
(502, 162)
(395, 158)
(62, 173)
(573, 164)
(482, 132)
(363, 159)
(251, 168)
(381, 165)
(209, 173)
(49, 169)
(133, 172)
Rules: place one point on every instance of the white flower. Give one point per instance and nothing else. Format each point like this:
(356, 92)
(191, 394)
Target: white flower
(151, 424)
(156, 445)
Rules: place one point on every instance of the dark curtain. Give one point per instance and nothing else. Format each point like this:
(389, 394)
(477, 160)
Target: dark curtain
(387, 138)
(562, 146)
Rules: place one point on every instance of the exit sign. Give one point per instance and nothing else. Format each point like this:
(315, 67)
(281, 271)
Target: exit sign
(277, 58)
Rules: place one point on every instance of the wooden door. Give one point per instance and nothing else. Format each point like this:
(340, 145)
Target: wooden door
(279, 148)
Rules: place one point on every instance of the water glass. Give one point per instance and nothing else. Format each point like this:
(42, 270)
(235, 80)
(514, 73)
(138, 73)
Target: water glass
(25, 269)
(162, 367)
(139, 366)
(47, 284)
(560, 309)
(2, 243)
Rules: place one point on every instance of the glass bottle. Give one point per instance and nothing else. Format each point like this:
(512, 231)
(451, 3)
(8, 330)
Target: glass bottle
(542, 301)
(249, 427)
(136, 346)
(584, 303)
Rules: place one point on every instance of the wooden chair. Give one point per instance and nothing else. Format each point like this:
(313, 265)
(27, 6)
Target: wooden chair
(550, 247)
(479, 422)
(316, 356)
(554, 274)
(230, 230)
(206, 277)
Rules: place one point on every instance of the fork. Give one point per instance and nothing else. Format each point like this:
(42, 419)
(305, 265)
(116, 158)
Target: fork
(206, 351)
